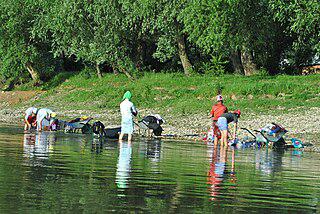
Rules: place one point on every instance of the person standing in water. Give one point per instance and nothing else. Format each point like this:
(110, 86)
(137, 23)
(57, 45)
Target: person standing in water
(127, 110)
(217, 110)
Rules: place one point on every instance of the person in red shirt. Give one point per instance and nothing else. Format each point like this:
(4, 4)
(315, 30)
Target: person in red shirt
(217, 110)
(30, 118)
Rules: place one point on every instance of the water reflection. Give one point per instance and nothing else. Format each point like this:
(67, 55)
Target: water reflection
(38, 145)
(296, 158)
(97, 145)
(233, 178)
(151, 150)
(217, 169)
(74, 179)
(124, 165)
(268, 162)
(154, 150)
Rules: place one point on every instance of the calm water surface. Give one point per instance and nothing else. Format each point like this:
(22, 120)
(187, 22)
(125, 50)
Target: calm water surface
(57, 172)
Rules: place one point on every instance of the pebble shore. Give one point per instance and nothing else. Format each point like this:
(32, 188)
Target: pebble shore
(300, 123)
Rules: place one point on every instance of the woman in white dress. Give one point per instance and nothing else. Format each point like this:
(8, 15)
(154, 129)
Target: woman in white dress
(127, 110)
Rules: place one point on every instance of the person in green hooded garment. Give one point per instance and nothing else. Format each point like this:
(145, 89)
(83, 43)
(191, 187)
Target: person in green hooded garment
(127, 110)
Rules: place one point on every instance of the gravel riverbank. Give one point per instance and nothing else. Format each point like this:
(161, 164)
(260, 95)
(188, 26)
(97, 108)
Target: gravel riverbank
(301, 123)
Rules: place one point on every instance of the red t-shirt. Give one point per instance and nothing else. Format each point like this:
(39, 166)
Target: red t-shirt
(217, 110)
(31, 119)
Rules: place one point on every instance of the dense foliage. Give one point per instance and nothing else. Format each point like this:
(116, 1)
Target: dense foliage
(40, 38)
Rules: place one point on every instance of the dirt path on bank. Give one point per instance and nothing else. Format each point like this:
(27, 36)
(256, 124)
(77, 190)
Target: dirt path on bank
(11, 98)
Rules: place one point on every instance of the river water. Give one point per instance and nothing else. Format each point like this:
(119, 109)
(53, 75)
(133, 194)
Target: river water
(57, 172)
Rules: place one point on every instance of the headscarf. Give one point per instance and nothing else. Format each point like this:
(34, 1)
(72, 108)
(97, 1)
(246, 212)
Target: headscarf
(219, 98)
(35, 111)
(127, 95)
(159, 118)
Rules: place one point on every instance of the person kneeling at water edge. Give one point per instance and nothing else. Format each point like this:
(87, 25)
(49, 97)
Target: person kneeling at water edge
(127, 110)
(45, 118)
(223, 122)
(30, 118)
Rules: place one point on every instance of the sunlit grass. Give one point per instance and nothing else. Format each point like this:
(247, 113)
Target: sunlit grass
(185, 95)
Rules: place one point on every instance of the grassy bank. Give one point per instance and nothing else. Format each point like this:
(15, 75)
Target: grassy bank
(183, 95)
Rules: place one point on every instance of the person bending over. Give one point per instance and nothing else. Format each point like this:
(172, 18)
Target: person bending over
(30, 118)
(223, 122)
(153, 122)
(44, 118)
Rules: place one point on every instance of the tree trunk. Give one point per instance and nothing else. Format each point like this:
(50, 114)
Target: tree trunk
(114, 69)
(64, 61)
(98, 71)
(249, 66)
(140, 54)
(34, 74)
(235, 58)
(183, 55)
(127, 73)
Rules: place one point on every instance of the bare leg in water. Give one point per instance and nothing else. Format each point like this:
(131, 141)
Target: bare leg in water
(224, 137)
(216, 140)
(129, 137)
(121, 136)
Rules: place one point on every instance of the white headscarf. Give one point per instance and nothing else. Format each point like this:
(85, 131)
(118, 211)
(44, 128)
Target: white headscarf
(159, 118)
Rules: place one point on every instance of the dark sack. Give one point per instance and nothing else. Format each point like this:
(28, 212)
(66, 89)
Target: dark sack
(113, 133)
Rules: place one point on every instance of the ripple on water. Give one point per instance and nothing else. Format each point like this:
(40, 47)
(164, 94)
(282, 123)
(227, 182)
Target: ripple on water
(74, 173)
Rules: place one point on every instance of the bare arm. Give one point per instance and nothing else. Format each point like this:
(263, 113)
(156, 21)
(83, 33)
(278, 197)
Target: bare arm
(26, 120)
(211, 112)
(134, 111)
(40, 128)
(27, 124)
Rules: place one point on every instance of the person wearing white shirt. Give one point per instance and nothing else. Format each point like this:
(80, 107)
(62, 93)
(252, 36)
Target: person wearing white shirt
(43, 118)
(30, 118)
(127, 110)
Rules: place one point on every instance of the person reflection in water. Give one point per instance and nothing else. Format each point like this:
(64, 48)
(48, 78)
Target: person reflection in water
(29, 144)
(97, 145)
(124, 165)
(38, 145)
(233, 178)
(217, 170)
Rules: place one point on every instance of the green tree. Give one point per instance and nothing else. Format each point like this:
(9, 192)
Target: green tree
(242, 30)
(301, 20)
(90, 30)
(159, 20)
(19, 52)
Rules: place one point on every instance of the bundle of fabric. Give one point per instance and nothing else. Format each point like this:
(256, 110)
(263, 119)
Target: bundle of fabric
(113, 133)
(273, 129)
(81, 123)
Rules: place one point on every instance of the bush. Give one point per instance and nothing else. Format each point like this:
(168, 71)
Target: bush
(214, 67)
